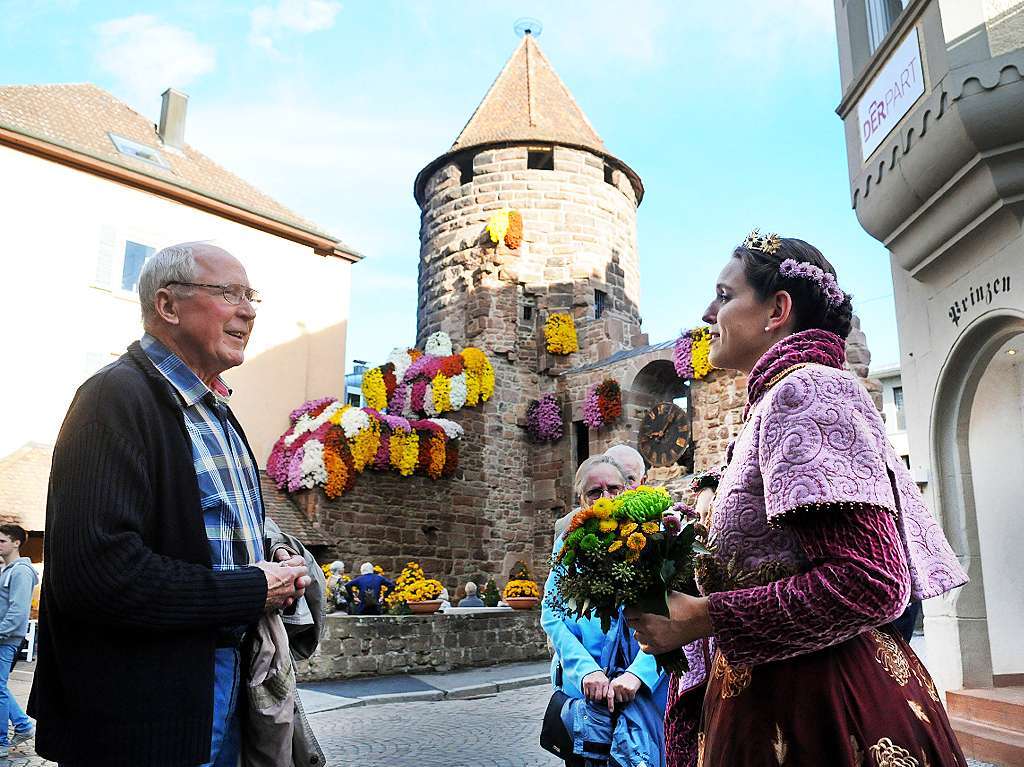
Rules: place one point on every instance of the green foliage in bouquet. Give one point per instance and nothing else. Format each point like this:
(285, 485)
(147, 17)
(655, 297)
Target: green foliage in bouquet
(625, 552)
(491, 595)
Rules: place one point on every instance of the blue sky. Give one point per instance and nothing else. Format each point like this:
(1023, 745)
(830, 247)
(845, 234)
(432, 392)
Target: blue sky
(726, 110)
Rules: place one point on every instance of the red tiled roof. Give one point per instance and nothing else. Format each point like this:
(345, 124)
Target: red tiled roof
(24, 477)
(278, 505)
(81, 117)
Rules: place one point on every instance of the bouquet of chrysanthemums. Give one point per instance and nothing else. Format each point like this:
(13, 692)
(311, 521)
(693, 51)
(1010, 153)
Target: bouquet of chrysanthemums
(629, 551)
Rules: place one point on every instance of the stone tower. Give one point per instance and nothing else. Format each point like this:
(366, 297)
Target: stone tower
(527, 147)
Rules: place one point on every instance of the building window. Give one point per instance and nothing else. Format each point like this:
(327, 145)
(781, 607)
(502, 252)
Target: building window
(882, 15)
(897, 398)
(135, 256)
(527, 313)
(540, 159)
(353, 399)
(609, 174)
(582, 434)
(600, 297)
(465, 166)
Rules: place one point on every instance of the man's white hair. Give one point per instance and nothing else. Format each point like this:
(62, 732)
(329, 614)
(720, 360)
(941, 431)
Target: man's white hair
(628, 457)
(176, 263)
(470, 587)
(366, 568)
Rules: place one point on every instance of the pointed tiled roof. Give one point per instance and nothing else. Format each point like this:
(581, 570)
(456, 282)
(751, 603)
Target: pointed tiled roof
(73, 123)
(529, 102)
(24, 478)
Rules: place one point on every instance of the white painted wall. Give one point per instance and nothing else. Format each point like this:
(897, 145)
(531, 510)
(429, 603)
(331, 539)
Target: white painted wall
(64, 315)
(996, 444)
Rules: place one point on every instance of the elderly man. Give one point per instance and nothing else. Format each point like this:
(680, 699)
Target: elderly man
(154, 537)
(631, 462)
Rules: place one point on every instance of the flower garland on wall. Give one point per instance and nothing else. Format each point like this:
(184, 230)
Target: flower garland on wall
(329, 444)
(690, 357)
(560, 334)
(603, 403)
(544, 421)
(414, 383)
(506, 226)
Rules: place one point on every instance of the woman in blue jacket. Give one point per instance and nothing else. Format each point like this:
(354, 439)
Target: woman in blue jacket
(579, 644)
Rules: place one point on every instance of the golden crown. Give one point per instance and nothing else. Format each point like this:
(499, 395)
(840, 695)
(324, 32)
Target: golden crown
(766, 243)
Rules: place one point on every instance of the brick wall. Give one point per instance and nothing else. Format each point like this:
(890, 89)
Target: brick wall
(354, 646)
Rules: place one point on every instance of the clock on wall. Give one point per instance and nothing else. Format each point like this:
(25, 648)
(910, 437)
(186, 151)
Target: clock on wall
(664, 434)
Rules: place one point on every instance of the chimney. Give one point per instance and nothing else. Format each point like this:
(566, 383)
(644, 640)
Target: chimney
(172, 118)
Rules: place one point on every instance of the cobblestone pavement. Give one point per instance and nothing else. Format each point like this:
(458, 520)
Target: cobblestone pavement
(499, 730)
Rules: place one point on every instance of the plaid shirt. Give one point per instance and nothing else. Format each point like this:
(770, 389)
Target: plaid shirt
(228, 481)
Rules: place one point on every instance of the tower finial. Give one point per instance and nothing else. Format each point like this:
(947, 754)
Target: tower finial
(528, 26)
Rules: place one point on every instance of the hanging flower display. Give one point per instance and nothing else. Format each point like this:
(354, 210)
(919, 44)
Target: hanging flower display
(514, 233)
(560, 334)
(331, 449)
(497, 225)
(439, 344)
(603, 403)
(690, 356)
(544, 419)
(479, 376)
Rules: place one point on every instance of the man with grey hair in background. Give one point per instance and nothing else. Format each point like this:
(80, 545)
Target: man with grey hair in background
(632, 464)
(154, 542)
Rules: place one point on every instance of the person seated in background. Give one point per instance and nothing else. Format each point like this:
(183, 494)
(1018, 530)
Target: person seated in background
(471, 599)
(632, 464)
(446, 601)
(364, 591)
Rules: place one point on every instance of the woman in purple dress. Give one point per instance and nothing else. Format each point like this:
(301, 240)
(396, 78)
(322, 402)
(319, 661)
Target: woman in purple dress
(819, 538)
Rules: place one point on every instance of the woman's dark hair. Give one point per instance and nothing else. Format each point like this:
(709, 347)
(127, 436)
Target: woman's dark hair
(811, 308)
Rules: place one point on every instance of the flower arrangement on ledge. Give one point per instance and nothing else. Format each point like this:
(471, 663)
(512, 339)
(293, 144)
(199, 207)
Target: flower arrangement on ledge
(691, 354)
(506, 226)
(560, 334)
(544, 421)
(521, 586)
(329, 444)
(603, 403)
(412, 585)
(415, 383)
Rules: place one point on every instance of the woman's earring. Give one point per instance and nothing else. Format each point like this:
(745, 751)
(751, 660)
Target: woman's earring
(767, 329)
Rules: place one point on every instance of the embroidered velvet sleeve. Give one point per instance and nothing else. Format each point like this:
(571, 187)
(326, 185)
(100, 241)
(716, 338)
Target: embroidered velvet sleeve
(858, 580)
(819, 444)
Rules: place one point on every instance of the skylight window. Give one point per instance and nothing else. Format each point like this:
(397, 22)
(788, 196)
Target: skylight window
(139, 151)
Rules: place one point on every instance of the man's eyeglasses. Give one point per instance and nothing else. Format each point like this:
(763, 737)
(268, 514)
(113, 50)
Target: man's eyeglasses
(596, 492)
(233, 293)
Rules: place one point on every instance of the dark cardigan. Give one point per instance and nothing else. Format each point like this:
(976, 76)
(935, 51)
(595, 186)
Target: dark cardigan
(130, 606)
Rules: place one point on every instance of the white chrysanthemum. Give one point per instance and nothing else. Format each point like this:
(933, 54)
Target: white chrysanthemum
(451, 429)
(439, 344)
(353, 421)
(314, 472)
(399, 357)
(457, 395)
(428, 401)
(305, 423)
(300, 428)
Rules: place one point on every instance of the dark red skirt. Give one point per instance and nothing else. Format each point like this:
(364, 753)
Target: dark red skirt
(867, 702)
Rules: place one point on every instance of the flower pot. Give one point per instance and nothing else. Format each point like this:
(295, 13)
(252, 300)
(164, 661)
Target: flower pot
(426, 607)
(521, 603)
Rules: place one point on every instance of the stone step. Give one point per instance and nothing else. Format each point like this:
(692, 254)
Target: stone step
(999, 706)
(989, 743)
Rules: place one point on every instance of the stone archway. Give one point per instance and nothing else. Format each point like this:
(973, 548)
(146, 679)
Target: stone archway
(958, 624)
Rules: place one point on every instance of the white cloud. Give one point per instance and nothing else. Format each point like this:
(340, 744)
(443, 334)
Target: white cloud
(300, 16)
(145, 55)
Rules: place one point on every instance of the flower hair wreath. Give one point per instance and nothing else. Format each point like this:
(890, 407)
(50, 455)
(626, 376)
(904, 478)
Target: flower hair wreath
(798, 270)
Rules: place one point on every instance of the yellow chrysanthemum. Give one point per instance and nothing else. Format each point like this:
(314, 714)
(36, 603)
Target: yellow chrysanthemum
(405, 452)
(636, 541)
(497, 225)
(616, 545)
(628, 529)
(608, 525)
(374, 389)
(650, 527)
(336, 416)
(441, 387)
(365, 444)
(560, 334)
(603, 508)
(699, 351)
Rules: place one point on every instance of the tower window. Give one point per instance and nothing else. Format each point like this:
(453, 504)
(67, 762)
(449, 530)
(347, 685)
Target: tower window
(608, 174)
(465, 165)
(540, 159)
(600, 297)
(527, 313)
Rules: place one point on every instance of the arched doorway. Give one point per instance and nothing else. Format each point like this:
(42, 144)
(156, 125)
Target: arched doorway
(978, 465)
